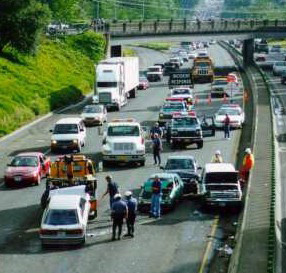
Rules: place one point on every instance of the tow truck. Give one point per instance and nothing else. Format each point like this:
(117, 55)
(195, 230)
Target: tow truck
(71, 171)
(186, 128)
(203, 70)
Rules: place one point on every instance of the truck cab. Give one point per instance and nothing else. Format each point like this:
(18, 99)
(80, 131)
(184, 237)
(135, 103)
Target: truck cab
(155, 73)
(203, 70)
(123, 142)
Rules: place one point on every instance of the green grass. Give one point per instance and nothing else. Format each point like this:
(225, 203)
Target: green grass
(156, 46)
(282, 43)
(129, 52)
(60, 74)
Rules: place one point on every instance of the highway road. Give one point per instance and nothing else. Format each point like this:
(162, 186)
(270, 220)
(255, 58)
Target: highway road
(175, 243)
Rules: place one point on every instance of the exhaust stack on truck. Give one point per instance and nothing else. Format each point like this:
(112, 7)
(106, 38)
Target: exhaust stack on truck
(116, 80)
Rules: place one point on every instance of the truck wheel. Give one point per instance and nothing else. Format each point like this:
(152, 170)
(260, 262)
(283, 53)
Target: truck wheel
(133, 93)
(200, 145)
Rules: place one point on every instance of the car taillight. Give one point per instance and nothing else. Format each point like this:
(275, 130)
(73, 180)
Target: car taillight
(47, 232)
(74, 231)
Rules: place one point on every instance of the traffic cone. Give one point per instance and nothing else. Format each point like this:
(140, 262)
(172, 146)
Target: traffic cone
(224, 98)
(209, 99)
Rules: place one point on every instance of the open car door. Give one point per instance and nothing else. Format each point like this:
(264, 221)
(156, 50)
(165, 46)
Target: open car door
(208, 126)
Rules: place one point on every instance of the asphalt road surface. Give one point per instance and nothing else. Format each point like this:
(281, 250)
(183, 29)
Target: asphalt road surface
(174, 243)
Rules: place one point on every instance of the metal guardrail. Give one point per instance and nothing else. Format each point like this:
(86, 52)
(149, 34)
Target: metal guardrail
(149, 27)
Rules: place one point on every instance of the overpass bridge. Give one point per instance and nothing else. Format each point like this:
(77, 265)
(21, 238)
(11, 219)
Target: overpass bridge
(246, 30)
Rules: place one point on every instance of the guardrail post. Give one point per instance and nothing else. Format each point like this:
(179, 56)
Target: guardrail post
(107, 27)
(212, 23)
(171, 25)
(225, 24)
(276, 22)
(156, 26)
(251, 23)
(265, 22)
(185, 24)
(198, 24)
(140, 26)
(124, 26)
(238, 24)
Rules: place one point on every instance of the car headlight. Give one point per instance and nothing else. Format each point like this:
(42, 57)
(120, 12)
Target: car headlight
(54, 142)
(161, 115)
(75, 141)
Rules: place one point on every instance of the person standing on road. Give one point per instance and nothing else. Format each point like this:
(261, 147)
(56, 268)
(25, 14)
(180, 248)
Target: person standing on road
(119, 211)
(157, 148)
(247, 164)
(217, 158)
(156, 198)
(131, 203)
(112, 189)
(156, 130)
(226, 127)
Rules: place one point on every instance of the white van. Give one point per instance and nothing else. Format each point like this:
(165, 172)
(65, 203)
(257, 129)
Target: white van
(68, 134)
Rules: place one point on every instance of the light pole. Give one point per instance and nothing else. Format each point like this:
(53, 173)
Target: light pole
(143, 10)
(115, 11)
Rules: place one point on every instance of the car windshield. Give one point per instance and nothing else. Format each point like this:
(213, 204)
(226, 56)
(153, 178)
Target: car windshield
(61, 217)
(92, 109)
(202, 65)
(230, 112)
(142, 79)
(66, 129)
(212, 178)
(154, 69)
(180, 164)
(222, 187)
(165, 183)
(173, 107)
(124, 130)
(25, 161)
(106, 84)
(184, 122)
(181, 92)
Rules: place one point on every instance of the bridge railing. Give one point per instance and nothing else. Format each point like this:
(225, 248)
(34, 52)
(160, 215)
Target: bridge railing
(121, 28)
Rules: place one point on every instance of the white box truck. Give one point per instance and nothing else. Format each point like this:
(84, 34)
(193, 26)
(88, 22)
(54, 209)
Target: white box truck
(116, 80)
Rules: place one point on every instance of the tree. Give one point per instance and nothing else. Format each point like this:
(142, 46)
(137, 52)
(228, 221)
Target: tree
(22, 23)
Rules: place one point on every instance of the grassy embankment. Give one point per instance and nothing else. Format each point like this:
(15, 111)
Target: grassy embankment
(162, 46)
(60, 74)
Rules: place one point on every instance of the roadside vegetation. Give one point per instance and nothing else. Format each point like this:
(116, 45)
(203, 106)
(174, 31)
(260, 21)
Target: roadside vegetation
(128, 52)
(160, 46)
(59, 74)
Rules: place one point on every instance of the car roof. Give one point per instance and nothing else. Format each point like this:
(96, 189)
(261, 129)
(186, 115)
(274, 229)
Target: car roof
(30, 154)
(163, 175)
(69, 120)
(64, 201)
(219, 168)
(181, 157)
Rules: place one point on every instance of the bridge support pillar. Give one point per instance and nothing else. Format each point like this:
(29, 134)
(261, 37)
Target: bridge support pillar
(248, 52)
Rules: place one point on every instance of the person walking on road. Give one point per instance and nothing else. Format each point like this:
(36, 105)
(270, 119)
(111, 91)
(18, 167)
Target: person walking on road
(217, 158)
(247, 164)
(112, 189)
(226, 127)
(119, 211)
(156, 198)
(132, 208)
(157, 149)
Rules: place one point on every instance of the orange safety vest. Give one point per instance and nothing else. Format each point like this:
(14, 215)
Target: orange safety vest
(248, 162)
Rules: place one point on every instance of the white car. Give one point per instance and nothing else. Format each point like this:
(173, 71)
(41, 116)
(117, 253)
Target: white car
(68, 134)
(65, 220)
(154, 73)
(123, 141)
(202, 53)
(235, 114)
(278, 68)
(182, 92)
(94, 114)
(192, 55)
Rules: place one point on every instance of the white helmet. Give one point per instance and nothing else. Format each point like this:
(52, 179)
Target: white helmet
(248, 150)
(127, 193)
(218, 152)
(117, 196)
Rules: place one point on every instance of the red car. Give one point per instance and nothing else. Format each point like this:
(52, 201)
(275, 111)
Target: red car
(27, 169)
(143, 83)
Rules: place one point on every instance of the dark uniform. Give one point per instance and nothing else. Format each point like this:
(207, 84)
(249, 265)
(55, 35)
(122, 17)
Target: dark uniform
(130, 221)
(112, 189)
(119, 212)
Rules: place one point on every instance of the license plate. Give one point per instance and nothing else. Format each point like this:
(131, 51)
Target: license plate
(222, 204)
(18, 178)
(64, 147)
(61, 233)
(122, 157)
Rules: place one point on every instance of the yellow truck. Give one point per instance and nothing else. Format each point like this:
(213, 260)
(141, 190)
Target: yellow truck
(203, 70)
(71, 171)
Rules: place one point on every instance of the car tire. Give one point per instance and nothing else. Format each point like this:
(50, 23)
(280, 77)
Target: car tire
(105, 163)
(142, 163)
(200, 145)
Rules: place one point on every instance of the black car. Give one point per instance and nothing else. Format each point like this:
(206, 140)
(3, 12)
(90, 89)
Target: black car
(283, 77)
(169, 68)
(187, 168)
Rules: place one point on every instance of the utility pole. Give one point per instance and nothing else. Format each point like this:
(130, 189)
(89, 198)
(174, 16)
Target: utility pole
(115, 11)
(143, 10)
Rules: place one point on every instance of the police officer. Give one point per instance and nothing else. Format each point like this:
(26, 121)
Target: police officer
(132, 208)
(119, 211)
(112, 189)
